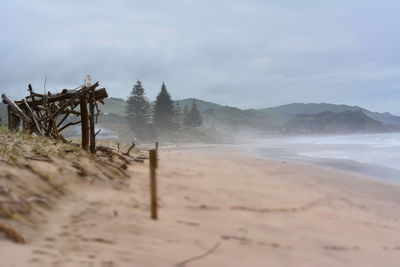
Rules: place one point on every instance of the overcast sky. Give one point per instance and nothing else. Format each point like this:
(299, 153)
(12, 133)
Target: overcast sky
(248, 54)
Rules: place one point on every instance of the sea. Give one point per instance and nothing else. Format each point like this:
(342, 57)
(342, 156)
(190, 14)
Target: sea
(374, 155)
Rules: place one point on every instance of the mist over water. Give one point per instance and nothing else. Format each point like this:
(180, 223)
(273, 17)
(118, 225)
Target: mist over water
(375, 155)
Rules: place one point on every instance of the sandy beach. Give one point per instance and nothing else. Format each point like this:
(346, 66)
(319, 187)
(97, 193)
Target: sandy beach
(220, 207)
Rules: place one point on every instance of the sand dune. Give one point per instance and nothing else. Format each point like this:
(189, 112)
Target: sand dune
(220, 207)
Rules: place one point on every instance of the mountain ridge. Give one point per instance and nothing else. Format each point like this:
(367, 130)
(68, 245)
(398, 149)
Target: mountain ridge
(265, 120)
(328, 122)
(271, 119)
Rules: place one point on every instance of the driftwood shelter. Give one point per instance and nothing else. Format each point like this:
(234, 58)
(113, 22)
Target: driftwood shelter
(47, 114)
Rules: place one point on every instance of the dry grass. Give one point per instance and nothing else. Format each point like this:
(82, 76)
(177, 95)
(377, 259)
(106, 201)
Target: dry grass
(34, 166)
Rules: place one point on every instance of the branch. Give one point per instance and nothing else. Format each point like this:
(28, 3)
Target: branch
(69, 124)
(183, 263)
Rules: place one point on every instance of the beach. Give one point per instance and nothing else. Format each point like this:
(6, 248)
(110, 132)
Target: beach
(220, 206)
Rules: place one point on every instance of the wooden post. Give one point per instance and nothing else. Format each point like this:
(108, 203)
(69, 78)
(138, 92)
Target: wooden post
(92, 127)
(156, 154)
(16, 122)
(85, 122)
(13, 121)
(9, 118)
(153, 184)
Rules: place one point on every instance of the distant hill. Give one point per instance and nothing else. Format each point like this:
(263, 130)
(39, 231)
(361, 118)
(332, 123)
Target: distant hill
(114, 106)
(328, 122)
(294, 109)
(234, 120)
(267, 120)
(201, 104)
(291, 110)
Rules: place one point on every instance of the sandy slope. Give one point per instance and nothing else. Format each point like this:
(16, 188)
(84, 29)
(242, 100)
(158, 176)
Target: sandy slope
(231, 208)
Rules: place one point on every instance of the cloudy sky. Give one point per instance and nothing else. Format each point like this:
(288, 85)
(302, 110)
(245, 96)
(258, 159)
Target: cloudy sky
(249, 54)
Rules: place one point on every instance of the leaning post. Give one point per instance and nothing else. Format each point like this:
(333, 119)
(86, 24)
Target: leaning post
(85, 122)
(156, 154)
(153, 184)
(92, 124)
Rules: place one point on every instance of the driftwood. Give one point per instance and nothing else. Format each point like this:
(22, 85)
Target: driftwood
(124, 157)
(130, 148)
(183, 263)
(45, 159)
(47, 114)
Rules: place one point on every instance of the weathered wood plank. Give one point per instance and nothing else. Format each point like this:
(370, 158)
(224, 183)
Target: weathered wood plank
(85, 122)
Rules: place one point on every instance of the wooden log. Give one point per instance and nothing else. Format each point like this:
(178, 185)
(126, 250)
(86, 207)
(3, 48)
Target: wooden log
(13, 120)
(153, 184)
(68, 124)
(16, 123)
(130, 148)
(33, 116)
(85, 122)
(99, 94)
(156, 154)
(9, 118)
(17, 110)
(74, 99)
(92, 127)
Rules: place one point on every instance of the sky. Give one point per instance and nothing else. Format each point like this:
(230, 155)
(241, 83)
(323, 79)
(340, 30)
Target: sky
(247, 54)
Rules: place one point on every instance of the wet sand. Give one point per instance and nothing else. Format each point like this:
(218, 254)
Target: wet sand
(221, 207)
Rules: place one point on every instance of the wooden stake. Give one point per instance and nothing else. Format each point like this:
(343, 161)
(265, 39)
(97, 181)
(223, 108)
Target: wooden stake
(156, 154)
(9, 118)
(92, 127)
(153, 184)
(85, 122)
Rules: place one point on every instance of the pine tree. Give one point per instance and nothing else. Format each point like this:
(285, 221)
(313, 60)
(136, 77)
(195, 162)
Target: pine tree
(186, 118)
(163, 110)
(195, 117)
(177, 115)
(138, 113)
(138, 108)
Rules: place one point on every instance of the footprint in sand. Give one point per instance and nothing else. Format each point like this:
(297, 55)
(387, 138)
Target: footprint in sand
(42, 252)
(108, 264)
(87, 263)
(245, 240)
(274, 245)
(63, 234)
(238, 238)
(35, 260)
(203, 207)
(391, 248)
(188, 223)
(341, 248)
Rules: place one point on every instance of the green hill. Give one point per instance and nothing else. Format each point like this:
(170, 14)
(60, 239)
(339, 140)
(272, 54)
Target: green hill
(201, 104)
(113, 106)
(328, 122)
(291, 110)
(267, 120)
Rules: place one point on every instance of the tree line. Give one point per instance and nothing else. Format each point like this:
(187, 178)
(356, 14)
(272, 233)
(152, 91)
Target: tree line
(146, 120)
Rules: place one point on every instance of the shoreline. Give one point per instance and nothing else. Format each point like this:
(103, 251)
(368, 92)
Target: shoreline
(345, 167)
(365, 170)
(368, 170)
